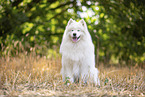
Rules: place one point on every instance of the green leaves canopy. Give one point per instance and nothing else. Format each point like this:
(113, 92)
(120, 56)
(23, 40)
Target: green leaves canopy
(116, 26)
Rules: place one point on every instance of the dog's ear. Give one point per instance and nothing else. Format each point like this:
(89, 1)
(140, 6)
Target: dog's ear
(82, 21)
(70, 21)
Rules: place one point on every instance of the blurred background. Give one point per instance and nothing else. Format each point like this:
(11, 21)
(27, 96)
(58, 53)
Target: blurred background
(117, 27)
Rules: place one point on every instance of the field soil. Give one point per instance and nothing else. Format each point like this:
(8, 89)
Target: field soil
(31, 75)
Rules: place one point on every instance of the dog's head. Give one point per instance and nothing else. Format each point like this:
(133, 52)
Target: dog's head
(76, 30)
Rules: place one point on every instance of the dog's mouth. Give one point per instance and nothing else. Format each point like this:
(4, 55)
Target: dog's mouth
(75, 39)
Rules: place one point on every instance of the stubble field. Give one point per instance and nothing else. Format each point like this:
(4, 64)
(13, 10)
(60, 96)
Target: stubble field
(32, 75)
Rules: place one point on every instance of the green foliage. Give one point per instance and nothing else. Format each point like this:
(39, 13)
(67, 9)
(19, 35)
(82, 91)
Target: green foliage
(117, 27)
(67, 82)
(106, 81)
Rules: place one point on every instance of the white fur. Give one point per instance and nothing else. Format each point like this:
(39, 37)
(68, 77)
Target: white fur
(78, 59)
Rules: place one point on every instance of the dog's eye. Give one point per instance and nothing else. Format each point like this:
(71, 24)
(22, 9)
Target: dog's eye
(78, 30)
(72, 30)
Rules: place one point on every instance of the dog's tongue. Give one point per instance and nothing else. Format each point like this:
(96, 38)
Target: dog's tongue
(74, 39)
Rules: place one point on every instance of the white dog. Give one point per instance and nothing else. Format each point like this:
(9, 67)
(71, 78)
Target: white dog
(77, 49)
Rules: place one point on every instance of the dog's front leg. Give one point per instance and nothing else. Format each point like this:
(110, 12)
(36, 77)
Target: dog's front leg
(67, 71)
(69, 74)
(84, 73)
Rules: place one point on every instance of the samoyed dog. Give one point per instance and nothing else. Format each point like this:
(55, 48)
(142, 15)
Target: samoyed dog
(78, 59)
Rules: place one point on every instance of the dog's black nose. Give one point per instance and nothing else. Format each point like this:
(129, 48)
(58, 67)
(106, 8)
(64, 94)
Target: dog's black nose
(74, 34)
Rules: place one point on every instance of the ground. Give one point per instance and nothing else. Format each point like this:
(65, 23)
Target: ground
(31, 75)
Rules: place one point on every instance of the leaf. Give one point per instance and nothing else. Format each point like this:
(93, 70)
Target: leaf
(67, 81)
(106, 81)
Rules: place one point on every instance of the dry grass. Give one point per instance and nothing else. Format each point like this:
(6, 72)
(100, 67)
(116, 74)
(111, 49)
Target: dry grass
(38, 76)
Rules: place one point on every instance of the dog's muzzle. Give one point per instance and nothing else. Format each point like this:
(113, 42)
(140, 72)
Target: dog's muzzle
(75, 38)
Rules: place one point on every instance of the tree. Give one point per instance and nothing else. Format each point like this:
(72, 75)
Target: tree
(116, 26)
